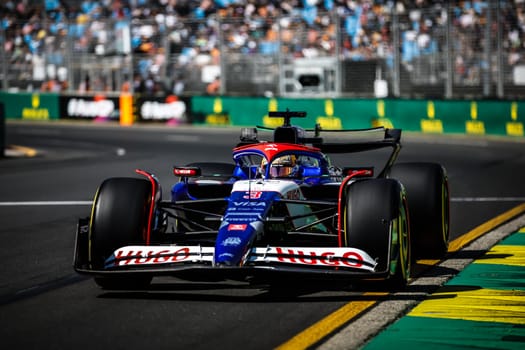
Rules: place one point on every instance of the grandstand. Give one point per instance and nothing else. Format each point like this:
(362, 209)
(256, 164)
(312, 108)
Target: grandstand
(298, 48)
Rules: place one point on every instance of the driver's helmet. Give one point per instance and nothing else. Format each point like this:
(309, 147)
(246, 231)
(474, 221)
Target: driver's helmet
(283, 166)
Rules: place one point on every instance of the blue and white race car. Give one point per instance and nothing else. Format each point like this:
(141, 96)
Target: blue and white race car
(281, 207)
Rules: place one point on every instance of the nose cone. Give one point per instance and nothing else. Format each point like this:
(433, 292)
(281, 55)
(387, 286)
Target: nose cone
(233, 241)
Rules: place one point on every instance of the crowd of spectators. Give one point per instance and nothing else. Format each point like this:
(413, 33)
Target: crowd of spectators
(196, 31)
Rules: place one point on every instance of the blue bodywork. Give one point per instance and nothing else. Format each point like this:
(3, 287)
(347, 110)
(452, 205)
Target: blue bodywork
(242, 222)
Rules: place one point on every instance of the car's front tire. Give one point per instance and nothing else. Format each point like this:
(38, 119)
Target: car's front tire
(119, 218)
(376, 221)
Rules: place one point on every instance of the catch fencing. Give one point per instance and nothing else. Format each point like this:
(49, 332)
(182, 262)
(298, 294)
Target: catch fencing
(447, 52)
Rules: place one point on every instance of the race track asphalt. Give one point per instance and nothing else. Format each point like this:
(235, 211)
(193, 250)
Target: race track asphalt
(46, 305)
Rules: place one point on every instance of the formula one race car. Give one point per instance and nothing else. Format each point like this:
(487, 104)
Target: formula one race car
(281, 208)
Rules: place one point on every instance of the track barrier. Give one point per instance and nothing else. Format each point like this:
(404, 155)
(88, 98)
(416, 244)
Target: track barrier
(474, 117)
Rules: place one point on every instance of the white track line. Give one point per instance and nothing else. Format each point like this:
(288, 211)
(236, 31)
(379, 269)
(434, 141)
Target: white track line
(487, 199)
(44, 203)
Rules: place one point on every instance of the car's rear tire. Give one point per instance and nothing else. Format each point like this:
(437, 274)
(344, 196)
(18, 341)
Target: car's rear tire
(119, 218)
(376, 221)
(427, 190)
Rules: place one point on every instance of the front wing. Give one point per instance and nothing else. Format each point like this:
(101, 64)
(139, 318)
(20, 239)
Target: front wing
(174, 259)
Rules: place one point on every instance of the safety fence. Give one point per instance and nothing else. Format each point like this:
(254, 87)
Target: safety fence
(445, 50)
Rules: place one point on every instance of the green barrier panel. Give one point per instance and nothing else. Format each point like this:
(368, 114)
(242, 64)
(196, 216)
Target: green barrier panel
(30, 106)
(246, 111)
(397, 114)
(500, 118)
(426, 116)
(461, 117)
(329, 113)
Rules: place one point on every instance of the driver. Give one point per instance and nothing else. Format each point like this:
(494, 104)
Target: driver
(284, 166)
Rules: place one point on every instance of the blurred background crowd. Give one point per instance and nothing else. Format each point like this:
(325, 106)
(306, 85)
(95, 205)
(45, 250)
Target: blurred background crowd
(167, 35)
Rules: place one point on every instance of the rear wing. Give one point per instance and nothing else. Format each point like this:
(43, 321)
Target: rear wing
(357, 138)
(295, 134)
(391, 139)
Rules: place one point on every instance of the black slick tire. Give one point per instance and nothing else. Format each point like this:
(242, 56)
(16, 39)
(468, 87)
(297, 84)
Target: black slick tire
(427, 190)
(375, 220)
(119, 218)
